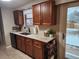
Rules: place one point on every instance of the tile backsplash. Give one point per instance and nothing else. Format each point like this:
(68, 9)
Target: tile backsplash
(45, 28)
(41, 28)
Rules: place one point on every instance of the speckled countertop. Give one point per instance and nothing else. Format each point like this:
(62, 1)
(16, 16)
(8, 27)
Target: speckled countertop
(38, 37)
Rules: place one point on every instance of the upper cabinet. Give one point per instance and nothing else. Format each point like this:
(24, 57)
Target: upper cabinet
(36, 14)
(44, 13)
(18, 17)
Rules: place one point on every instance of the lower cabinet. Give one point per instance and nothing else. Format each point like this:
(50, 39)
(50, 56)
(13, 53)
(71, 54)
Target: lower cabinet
(28, 46)
(18, 42)
(35, 48)
(38, 50)
(23, 44)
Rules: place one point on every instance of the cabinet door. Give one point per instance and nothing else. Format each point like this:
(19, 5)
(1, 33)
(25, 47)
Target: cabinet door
(46, 13)
(18, 40)
(18, 17)
(20, 43)
(36, 14)
(29, 47)
(37, 50)
(23, 44)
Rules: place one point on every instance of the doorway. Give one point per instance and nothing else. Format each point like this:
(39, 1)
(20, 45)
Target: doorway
(72, 33)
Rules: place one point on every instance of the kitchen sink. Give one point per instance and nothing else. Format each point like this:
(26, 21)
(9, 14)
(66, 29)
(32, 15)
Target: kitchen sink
(25, 33)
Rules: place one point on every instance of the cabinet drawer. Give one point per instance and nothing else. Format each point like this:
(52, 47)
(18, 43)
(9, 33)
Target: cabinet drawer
(29, 41)
(37, 44)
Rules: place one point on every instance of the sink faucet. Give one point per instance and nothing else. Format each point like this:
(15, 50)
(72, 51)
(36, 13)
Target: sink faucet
(27, 29)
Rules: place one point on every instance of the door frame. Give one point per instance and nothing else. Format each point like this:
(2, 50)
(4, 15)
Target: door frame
(62, 21)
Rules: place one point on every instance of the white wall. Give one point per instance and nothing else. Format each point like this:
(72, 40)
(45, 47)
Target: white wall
(8, 22)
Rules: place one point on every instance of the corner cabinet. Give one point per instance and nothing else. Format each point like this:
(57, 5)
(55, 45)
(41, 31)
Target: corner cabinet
(44, 13)
(18, 17)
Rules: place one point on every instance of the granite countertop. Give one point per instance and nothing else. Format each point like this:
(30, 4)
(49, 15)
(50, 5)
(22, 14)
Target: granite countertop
(38, 37)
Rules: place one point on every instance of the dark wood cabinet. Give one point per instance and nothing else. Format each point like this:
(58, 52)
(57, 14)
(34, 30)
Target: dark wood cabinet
(36, 14)
(18, 17)
(38, 51)
(35, 48)
(44, 13)
(28, 46)
(18, 42)
(23, 44)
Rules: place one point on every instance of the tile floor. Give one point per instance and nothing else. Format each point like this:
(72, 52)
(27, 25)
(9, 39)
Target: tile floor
(11, 53)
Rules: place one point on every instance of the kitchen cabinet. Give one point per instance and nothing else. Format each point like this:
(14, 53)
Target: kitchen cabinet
(28, 46)
(23, 44)
(20, 43)
(36, 14)
(35, 48)
(18, 17)
(44, 13)
(43, 50)
(38, 50)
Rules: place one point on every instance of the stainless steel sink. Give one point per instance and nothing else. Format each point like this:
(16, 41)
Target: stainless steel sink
(25, 33)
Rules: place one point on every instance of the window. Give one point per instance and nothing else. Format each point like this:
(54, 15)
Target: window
(28, 17)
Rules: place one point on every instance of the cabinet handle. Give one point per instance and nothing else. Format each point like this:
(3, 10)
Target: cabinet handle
(28, 41)
(37, 46)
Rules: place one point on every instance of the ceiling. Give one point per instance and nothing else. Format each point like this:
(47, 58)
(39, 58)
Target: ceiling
(19, 3)
(14, 3)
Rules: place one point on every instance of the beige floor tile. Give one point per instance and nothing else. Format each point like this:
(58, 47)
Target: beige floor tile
(11, 53)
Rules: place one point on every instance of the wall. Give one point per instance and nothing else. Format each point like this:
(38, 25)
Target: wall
(8, 22)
